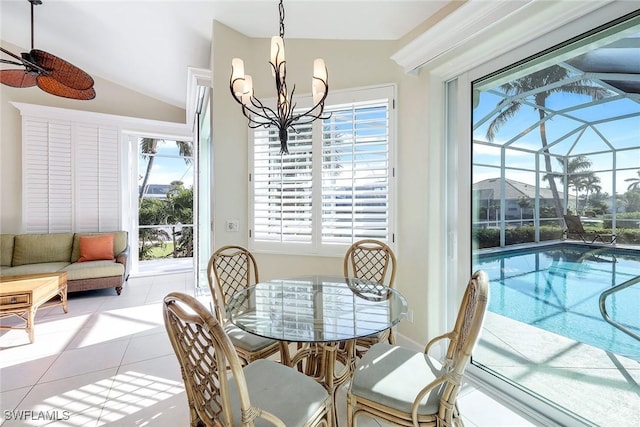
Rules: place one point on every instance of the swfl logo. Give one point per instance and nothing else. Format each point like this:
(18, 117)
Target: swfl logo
(24, 415)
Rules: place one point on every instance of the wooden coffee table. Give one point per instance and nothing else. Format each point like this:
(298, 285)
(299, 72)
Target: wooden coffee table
(21, 296)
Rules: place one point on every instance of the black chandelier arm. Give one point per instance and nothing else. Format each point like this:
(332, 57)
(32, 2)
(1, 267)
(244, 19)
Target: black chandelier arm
(313, 116)
(256, 103)
(267, 113)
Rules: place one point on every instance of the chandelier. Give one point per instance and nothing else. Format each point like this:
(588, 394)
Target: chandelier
(285, 116)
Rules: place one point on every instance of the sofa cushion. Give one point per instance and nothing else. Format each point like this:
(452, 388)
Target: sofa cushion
(119, 243)
(45, 267)
(93, 270)
(39, 248)
(6, 249)
(95, 248)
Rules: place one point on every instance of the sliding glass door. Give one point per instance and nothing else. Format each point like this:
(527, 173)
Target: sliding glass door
(554, 135)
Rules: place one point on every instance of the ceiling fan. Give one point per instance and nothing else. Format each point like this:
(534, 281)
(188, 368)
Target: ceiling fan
(50, 73)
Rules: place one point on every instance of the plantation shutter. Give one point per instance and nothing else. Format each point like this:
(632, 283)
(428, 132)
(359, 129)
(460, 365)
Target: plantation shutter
(356, 173)
(97, 177)
(282, 187)
(336, 184)
(47, 177)
(71, 176)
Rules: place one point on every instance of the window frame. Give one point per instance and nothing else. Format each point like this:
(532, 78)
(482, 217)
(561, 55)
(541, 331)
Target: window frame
(316, 247)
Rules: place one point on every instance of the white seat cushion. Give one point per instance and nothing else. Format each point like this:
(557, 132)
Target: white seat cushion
(393, 376)
(286, 393)
(245, 340)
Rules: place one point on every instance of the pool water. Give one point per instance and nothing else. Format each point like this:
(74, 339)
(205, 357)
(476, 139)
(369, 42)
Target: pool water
(557, 288)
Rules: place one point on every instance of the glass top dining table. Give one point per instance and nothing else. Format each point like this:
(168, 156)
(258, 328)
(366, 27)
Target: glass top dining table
(316, 308)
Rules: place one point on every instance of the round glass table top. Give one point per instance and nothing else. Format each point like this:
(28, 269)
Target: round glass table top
(316, 308)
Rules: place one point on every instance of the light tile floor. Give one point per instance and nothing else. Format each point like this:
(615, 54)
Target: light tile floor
(108, 362)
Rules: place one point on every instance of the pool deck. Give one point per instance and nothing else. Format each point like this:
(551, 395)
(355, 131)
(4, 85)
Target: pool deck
(599, 386)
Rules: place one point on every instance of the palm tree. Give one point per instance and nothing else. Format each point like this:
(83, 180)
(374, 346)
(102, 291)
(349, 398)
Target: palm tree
(578, 174)
(635, 182)
(539, 86)
(149, 147)
(592, 185)
(524, 202)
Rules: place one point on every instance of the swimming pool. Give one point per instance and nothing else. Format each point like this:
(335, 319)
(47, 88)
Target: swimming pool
(557, 288)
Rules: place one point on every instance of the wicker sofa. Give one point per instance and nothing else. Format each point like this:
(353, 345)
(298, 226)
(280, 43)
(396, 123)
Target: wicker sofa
(48, 253)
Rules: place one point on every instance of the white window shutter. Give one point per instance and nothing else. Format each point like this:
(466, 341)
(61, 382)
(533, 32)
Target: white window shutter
(47, 190)
(71, 176)
(109, 182)
(87, 164)
(282, 187)
(336, 184)
(355, 173)
(97, 178)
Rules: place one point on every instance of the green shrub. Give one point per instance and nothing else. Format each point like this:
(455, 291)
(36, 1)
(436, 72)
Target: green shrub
(490, 237)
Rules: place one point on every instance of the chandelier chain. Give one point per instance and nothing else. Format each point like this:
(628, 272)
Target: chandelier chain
(281, 10)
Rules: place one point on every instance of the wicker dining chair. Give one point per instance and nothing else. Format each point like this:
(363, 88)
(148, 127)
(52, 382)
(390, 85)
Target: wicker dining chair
(410, 388)
(221, 392)
(374, 261)
(232, 269)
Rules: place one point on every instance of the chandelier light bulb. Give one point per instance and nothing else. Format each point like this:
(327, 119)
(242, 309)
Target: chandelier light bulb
(319, 80)
(237, 76)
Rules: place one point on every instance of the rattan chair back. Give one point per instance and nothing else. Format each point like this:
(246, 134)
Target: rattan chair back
(204, 353)
(231, 269)
(374, 261)
(371, 260)
(462, 340)
(216, 383)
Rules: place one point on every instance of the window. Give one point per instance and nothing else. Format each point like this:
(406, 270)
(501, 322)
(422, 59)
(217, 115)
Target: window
(336, 185)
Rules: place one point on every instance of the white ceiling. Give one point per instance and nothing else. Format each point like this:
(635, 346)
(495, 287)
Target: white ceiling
(147, 45)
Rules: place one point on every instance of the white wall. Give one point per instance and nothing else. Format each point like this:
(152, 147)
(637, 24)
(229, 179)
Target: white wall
(350, 64)
(110, 98)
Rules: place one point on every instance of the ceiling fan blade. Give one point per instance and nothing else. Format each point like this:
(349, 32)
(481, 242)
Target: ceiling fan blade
(54, 87)
(17, 78)
(62, 71)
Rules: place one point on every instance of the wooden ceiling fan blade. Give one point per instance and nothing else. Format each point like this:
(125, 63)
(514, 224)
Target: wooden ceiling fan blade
(54, 87)
(17, 78)
(62, 71)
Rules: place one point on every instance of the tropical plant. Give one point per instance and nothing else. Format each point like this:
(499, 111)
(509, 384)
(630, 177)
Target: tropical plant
(151, 212)
(631, 200)
(175, 210)
(524, 202)
(580, 177)
(635, 182)
(538, 87)
(591, 186)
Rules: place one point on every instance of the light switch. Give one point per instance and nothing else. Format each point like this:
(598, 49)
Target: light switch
(232, 225)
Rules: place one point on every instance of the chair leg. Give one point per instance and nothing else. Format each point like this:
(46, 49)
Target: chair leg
(350, 419)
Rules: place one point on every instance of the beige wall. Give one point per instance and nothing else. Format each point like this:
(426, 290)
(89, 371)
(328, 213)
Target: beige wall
(350, 64)
(110, 99)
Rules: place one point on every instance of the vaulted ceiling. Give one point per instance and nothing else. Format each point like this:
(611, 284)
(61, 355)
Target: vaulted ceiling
(147, 45)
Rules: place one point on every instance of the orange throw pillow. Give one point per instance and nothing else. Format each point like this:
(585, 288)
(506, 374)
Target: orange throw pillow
(94, 248)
